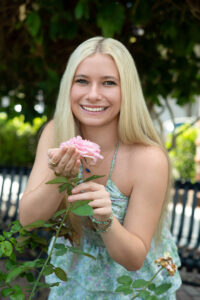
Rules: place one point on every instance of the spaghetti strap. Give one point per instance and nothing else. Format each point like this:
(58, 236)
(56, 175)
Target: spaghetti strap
(113, 160)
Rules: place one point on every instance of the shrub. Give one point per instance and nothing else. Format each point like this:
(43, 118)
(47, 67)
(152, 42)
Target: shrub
(18, 140)
(182, 156)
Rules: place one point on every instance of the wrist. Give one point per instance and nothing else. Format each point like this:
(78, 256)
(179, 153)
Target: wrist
(102, 226)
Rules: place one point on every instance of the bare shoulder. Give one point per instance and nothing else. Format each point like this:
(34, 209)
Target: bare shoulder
(47, 135)
(148, 154)
(49, 128)
(149, 160)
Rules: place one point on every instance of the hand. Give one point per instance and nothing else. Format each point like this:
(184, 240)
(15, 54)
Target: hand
(64, 161)
(100, 199)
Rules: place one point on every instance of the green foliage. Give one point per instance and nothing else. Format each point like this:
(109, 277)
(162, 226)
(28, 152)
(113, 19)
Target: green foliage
(182, 156)
(141, 288)
(36, 45)
(18, 140)
(19, 238)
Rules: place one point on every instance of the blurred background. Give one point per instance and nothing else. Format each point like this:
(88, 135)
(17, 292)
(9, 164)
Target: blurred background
(36, 39)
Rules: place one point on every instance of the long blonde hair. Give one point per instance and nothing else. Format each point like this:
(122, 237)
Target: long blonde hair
(135, 124)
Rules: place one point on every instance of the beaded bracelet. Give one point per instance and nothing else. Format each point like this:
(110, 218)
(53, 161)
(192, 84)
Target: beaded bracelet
(102, 226)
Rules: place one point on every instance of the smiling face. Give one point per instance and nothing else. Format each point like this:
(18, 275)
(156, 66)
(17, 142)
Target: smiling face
(95, 92)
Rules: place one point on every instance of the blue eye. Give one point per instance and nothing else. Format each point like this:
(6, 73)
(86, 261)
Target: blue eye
(109, 82)
(81, 81)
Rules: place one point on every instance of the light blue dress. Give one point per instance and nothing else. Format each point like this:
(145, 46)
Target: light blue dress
(90, 279)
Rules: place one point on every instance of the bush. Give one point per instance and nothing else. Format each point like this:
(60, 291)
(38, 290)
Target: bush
(18, 140)
(182, 156)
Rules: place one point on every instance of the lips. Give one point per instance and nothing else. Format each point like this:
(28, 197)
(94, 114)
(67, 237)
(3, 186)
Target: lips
(93, 108)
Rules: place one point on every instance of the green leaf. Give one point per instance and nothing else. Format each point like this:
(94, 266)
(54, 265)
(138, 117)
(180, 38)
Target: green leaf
(6, 292)
(62, 187)
(125, 280)
(59, 246)
(33, 23)
(48, 270)
(17, 296)
(144, 295)
(53, 284)
(16, 227)
(40, 240)
(41, 285)
(93, 177)
(139, 283)
(79, 10)
(21, 239)
(105, 17)
(161, 289)
(124, 289)
(6, 248)
(153, 297)
(10, 264)
(2, 238)
(80, 203)
(37, 224)
(60, 274)
(37, 263)
(30, 277)
(78, 251)
(81, 208)
(152, 287)
(58, 213)
(60, 179)
(14, 274)
(7, 235)
(60, 249)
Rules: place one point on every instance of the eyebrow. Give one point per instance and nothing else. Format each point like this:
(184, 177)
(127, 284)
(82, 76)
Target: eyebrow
(104, 77)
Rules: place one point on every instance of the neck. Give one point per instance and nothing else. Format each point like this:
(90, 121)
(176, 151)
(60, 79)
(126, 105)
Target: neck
(106, 138)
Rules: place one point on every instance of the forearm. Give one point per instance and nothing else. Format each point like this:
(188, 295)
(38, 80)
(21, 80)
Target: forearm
(124, 247)
(40, 203)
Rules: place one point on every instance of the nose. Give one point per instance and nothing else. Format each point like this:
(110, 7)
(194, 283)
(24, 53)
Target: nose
(94, 93)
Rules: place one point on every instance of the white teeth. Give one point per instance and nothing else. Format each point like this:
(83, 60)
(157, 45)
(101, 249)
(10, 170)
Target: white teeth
(93, 108)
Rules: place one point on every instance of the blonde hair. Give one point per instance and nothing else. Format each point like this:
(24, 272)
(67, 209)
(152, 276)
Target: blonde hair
(135, 124)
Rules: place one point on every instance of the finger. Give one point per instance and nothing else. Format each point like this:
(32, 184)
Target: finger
(56, 154)
(76, 167)
(70, 167)
(51, 152)
(73, 159)
(84, 196)
(86, 186)
(67, 156)
(97, 203)
(103, 212)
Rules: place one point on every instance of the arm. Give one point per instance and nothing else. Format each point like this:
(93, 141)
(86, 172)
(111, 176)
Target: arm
(129, 244)
(40, 200)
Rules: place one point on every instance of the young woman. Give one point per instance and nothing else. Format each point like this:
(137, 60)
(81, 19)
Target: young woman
(101, 99)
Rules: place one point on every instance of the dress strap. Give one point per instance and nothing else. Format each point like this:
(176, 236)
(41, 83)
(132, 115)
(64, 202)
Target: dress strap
(113, 160)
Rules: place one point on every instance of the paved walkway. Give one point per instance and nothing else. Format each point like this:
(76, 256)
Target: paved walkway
(189, 292)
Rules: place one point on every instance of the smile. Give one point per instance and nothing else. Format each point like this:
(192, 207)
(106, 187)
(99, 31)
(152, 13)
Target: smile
(93, 109)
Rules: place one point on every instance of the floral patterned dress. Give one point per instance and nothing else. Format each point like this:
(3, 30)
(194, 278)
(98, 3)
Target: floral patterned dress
(90, 279)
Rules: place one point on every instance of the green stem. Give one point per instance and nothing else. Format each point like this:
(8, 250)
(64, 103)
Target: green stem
(150, 281)
(50, 253)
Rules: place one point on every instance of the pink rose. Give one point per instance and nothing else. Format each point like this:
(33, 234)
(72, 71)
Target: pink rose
(85, 147)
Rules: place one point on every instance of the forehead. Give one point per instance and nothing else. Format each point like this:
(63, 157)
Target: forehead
(98, 63)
